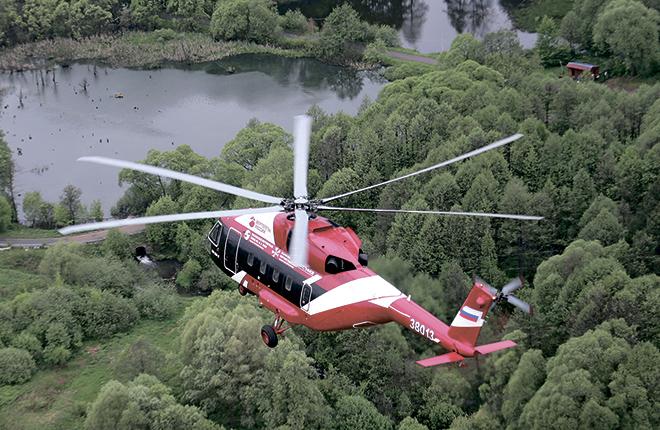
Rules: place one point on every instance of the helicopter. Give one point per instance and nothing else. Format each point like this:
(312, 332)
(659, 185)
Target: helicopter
(310, 271)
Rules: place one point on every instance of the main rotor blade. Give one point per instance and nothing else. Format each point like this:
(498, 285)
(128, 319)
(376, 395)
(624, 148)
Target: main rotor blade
(407, 211)
(435, 166)
(302, 130)
(208, 183)
(512, 286)
(523, 306)
(163, 218)
(299, 238)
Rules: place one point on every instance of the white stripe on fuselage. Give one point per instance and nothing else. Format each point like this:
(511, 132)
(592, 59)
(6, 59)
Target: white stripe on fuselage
(262, 224)
(371, 288)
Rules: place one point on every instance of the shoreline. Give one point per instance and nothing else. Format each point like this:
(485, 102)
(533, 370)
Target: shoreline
(131, 50)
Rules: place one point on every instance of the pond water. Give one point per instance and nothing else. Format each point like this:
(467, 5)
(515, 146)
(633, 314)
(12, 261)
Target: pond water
(425, 25)
(203, 106)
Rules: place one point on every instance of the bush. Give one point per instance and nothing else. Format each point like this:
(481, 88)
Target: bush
(155, 302)
(388, 35)
(139, 357)
(105, 314)
(294, 21)
(251, 20)
(16, 366)
(117, 244)
(165, 34)
(214, 279)
(189, 275)
(28, 342)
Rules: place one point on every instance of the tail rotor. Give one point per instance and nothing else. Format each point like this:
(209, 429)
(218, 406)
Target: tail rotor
(506, 294)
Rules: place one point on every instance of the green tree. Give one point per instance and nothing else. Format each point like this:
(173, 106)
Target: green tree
(294, 21)
(38, 17)
(145, 14)
(142, 403)
(162, 236)
(251, 20)
(87, 19)
(527, 378)
(192, 15)
(629, 30)
(410, 423)
(96, 211)
(353, 412)
(7, 176)
(117, 245)
(5, 214)
(10, 22)
(550, 47)
(604, 227)
(342, 30)
(254, 142)
(70, 202)
(155, 302)
(16, 366)
(137, 358)
(188, 276)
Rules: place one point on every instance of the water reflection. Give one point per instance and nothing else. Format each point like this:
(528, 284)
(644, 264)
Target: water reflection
(123, 113)
(425, 25)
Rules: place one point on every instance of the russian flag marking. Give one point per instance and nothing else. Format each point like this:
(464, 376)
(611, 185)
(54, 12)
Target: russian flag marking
(470, 314)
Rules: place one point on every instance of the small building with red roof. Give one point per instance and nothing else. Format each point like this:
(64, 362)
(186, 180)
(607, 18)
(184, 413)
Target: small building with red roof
(575, 69)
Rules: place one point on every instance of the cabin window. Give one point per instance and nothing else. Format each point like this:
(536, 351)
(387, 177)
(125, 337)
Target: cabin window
(276, 275)
(250, 259)
(214, 234)
(262, 268)
(288, 283)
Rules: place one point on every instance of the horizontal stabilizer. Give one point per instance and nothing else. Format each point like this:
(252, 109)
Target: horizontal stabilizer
(492, 347)
(441, 359)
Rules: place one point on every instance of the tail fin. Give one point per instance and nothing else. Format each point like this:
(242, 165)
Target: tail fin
(470, 318)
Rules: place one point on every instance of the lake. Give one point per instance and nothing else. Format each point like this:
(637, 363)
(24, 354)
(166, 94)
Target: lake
(203, 106)
(425, 25)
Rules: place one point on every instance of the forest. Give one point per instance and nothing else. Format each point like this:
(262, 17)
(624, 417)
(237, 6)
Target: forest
(163, 358)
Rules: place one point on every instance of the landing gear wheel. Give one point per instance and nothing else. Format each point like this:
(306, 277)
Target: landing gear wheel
(269, 336)
(242, 290)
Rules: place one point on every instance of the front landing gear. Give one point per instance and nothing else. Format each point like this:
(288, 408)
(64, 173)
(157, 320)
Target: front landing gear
(269, 336)
(269, 333)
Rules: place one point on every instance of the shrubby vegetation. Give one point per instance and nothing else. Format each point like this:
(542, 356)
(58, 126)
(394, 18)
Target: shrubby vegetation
(248, 21)
(86, 296)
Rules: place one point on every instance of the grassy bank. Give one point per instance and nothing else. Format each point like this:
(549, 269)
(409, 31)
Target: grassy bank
(19, 231)
(57, 398)
(133, 49)
(528, 14)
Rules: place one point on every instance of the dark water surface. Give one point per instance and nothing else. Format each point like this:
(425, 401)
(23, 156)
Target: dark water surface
(425, 25)
(203, 106)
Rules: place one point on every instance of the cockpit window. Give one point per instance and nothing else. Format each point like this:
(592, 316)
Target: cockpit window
(214, 234)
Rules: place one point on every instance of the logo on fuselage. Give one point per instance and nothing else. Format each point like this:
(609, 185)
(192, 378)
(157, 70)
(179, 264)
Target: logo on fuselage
(258, 225)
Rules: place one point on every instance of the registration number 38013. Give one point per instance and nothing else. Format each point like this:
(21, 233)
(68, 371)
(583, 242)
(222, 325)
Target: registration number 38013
(422, 329)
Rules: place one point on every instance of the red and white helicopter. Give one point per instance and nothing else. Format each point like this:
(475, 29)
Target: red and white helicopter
(308, 270)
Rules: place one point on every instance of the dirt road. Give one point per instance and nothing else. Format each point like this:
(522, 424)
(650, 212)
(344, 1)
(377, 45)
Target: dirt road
(91, 237)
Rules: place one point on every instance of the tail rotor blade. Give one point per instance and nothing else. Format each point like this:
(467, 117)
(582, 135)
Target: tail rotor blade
(512, 286)
(301, 134)
(523, 306)
(298, 250)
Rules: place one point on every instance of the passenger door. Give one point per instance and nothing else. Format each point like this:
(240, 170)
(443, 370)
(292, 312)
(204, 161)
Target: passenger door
(231, 250)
